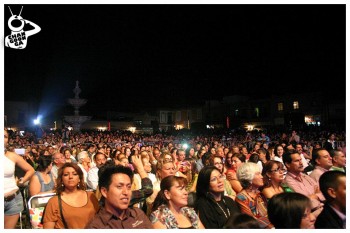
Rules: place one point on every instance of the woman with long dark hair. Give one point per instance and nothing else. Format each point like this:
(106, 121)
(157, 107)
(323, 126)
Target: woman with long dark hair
(212, 206)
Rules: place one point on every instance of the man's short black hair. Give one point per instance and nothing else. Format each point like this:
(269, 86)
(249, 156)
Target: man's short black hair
(106, 172)
(329, 179)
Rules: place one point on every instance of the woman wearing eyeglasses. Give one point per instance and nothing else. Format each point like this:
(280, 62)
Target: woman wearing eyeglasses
(212, 206)
(250, 200)
(217, 162)
(273, 174)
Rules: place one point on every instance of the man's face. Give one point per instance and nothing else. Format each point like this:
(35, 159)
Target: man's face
(296, 166)
(59, 158)
(324, 160)
(100, 159)
(119, 194)
(340, 159)
(299, 148)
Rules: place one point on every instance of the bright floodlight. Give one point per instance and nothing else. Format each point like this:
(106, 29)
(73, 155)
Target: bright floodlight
(37, 121)
(185, 146)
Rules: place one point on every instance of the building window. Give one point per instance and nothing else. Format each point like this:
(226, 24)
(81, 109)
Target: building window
(178, 115)
(257, 112)
(280, 106)
(236, 112)
(295, 105)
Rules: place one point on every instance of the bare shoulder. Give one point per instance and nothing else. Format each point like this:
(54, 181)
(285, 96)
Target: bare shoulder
(13, 156)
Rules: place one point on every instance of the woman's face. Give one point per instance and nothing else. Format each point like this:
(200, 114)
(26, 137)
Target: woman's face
(70, 177)
(177, 195)
(67, 154)
(216, 182)
(308, 220)
(168, 169)
(276, 173)
(236, 163)
(279, 151)
(258, 180)
(218, 164)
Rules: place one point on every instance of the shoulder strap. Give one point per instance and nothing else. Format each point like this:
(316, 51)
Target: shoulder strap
(60, 206)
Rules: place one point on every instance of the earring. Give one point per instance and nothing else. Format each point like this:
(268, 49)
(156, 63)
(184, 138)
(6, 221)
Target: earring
(78, 185)
(62, 185)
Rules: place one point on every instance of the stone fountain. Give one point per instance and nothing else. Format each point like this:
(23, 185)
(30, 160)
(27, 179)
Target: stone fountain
(76, 120)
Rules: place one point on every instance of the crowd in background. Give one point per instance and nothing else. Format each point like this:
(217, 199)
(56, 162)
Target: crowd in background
(246, 179)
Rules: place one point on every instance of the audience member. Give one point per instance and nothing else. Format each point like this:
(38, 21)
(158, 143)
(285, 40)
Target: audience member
(291, 211)
(170, 209)
(273, 174)
(322, 161)
(42, 181)
(333, 187)
(92, 175)
(13, 202)
(115, 186)
(212, 206)
(300, 182)
(250, 200)
(73, 207)
(58, 160)
(338, 160)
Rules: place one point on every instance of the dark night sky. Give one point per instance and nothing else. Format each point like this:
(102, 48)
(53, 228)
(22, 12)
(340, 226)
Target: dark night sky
(175, 55)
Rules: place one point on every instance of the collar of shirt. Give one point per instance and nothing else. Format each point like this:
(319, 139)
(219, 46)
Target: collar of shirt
(297, 177)
(107, 216)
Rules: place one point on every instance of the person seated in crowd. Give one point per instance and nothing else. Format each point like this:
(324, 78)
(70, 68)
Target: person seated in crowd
(237, 160)
(165, 167)
(291, 211)
(73, 207)
(250, 199)
(212, 206)
(279, 150)
(69, 157)
(273, 174)
(242, 221)
(217, 162)
(322, 161)
(92, 175)
(84, 162)
(338, 160)
(58, 160)
(42, 181)
(170, 209)
(115, 186)
(300, 182)
(333, 187)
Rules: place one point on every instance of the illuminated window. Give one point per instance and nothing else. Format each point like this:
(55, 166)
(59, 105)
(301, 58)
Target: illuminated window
(236, 112)
(280, 106)
(296, 105)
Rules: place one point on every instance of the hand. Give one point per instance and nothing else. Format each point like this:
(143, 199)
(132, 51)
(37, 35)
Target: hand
(137, 162)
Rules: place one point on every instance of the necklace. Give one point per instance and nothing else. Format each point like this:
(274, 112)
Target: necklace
(228, 211)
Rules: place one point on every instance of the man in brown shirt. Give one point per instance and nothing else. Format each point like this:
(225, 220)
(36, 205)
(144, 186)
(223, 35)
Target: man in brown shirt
(115, 186)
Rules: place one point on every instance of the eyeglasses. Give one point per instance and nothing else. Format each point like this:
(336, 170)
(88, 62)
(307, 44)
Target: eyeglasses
(218, 163)
(280, 170)
(216, 179)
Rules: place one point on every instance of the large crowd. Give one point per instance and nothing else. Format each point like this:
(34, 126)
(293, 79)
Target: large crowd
(232, 180)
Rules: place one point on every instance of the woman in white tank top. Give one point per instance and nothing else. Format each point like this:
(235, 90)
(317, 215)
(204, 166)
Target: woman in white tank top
(12, 203)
